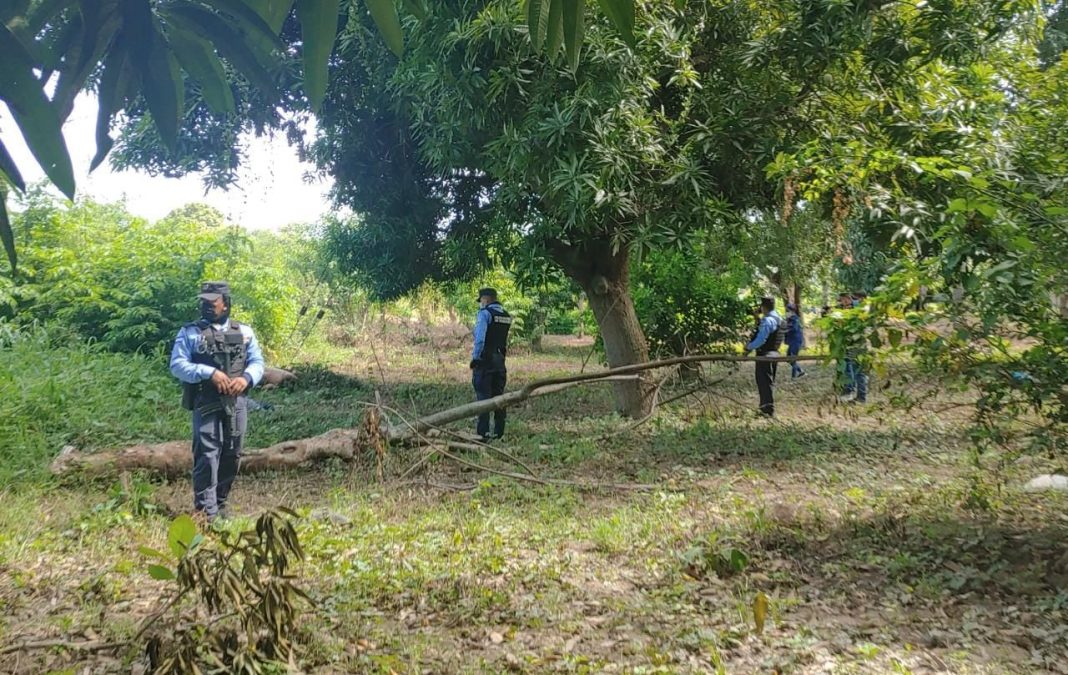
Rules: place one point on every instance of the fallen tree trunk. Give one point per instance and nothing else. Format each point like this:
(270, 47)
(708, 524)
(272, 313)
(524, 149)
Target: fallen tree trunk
(175, 457)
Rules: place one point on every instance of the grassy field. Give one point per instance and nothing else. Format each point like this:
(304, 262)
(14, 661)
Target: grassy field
(880, 546)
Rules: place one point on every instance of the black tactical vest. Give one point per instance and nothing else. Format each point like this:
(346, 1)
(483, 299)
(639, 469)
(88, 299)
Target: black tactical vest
(225, 350)
(496, 334)
(775, 339)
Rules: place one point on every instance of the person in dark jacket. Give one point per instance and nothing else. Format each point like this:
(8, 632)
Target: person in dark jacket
(795, 339)
(218, 361)
(768, 340)
(489, 373)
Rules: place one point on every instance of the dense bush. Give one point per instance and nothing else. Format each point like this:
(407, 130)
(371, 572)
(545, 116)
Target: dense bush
(129, 284)
(685, 307)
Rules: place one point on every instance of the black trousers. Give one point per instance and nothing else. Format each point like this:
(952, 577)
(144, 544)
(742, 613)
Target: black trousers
(765, 381)
(490, 382)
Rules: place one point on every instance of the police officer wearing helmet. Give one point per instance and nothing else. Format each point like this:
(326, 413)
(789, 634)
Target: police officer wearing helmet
(488, 372)
(768, 339)
(217, 360)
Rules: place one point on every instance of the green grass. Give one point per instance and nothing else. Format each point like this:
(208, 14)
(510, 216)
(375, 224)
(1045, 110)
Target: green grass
(858, 525)
(56, 391)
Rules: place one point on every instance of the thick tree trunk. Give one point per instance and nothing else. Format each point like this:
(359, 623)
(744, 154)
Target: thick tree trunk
(604, 275)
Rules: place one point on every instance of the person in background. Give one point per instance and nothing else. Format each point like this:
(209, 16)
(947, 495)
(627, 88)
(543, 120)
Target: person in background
(795, 339)
(218, 361)
(855, 386)
(768, 339)
(489, 374)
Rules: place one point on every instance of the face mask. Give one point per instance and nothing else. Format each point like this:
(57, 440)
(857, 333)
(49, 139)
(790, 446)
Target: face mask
(207, 312)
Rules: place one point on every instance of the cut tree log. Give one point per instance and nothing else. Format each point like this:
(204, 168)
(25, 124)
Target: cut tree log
(176, 458)
(274, 377)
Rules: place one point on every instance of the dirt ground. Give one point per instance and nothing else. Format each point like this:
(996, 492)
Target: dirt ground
(882, 544)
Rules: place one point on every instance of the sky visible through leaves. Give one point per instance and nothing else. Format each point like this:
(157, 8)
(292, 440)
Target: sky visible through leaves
(272, 190)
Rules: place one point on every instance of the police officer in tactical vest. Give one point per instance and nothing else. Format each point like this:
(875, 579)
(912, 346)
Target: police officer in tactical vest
(488, 372)
(768, 339)
(217, 360)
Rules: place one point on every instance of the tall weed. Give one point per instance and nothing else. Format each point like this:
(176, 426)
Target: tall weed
(56, 390)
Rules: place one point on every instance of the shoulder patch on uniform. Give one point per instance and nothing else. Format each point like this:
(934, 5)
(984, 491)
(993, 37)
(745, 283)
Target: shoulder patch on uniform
(502, 319)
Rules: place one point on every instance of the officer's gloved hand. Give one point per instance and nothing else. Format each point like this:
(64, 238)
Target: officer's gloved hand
(475, 363)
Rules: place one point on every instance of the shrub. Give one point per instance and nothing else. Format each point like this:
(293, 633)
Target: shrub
(684, 306)
(130, 285)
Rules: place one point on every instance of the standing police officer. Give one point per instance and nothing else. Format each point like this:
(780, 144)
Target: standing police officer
(217, 360)
(795, 339)
(766, 342)
(488, 372)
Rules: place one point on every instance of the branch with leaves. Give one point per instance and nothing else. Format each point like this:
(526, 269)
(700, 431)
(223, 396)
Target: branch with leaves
(151, 50)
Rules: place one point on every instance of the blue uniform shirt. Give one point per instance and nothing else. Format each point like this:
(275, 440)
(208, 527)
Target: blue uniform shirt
(185, 346)
(768, 325)
(795, 331)
(482, 322)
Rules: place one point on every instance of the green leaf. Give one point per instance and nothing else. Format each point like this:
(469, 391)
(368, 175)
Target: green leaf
(274, 12)
(318, 29)
(6, 235)
(160, 572)
(249, 21)
(13, 8)
(894, 336)
(384, 12)
(180, 535)
(537, 22)
(231, 44)
(99, 23)
(621, 14)
(199, 60)
(33, 112)
(416, 8)
(153, 553)
(43, 12)
(555, 35)
(161, 81)
(574, 14)
(738, 560)
(957, 205)
(9, 170)
(115, 82)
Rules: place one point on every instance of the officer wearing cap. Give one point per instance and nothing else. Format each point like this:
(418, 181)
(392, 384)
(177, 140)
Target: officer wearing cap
(217, 360)
(768, 339)
(488, 372)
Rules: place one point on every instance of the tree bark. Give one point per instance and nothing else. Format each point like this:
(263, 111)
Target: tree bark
(604, 275)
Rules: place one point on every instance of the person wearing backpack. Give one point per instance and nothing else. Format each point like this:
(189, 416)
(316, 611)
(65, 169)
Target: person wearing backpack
(771, 331)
